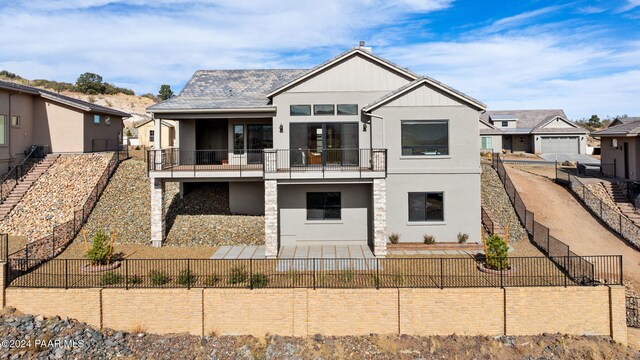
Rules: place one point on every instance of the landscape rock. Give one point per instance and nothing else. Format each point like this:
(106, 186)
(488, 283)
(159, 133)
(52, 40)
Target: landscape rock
(495, 198)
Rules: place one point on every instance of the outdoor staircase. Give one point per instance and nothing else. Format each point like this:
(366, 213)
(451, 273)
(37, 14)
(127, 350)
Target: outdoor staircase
(619, 196)
(498, 229)
(18, 192)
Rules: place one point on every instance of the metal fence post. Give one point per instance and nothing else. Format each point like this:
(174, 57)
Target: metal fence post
(188, 275)
(126, 274)
(620, 262)
(377, 274)
(53, 242)
(441, 273)
(314, 274)
(501, 273)
(66, 273)
(251, 274)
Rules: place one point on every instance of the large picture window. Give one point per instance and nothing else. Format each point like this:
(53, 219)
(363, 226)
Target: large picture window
(426, 206)
(323, 206)
(425, 138)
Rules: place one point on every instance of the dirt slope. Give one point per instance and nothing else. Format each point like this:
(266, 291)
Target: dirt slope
(570, 222)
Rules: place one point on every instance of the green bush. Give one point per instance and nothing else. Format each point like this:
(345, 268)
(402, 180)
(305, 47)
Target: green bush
(212, 280)
(100, 251)
(429, 239)
(347, 276)
(135, 280)
(462, 238)
(394, 238)
(237, 275)
(158, 277)
(186, 278)
(259, 281)
(497, 251)
(110, 278)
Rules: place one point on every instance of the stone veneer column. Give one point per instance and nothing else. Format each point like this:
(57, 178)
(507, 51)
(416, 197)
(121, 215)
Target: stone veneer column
(157, 212)
(271, 217)
(380, 217)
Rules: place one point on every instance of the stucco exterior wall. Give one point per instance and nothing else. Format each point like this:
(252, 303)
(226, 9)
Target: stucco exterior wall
(19, 138)
(496, 143)
(521, 143)
(168, 135)
(246, 197)
(609, 154)
(353, 227)
(100, 132)
(58, 126)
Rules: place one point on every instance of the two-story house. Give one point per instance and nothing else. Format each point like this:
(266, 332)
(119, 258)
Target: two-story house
(346, 153)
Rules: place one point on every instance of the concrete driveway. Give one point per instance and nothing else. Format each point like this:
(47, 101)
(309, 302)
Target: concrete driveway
(583, 159)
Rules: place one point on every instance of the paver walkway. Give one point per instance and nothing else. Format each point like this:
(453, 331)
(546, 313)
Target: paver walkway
(295, 252)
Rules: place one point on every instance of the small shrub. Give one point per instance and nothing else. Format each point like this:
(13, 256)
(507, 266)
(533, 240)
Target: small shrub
(186, 278)
(237, 275)
(497, 251)
(375, 280)
(110, 278)
(212, 280)
(293, 276)
(259, 281)
(128, 133)
(347, 276)
(135, 280)
(91, 99)
(399, 279)
(100, 251)
(429, 239)
(158, 277)
(137, 147)
(462, 238)
(394, 238)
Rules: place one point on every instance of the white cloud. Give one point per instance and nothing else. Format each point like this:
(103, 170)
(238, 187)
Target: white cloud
(511, 21)
(630, 5)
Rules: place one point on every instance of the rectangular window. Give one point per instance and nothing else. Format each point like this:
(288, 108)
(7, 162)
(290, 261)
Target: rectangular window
(3, 138)
(505, 124)
(16, 121)
(323, 206)
(323, 109)
(96, 119)
(486, 142)
(238, 139)
(300, 110)
(426, 206)
(152, 137)
(347, 109)
(425, 138)
(107, 120)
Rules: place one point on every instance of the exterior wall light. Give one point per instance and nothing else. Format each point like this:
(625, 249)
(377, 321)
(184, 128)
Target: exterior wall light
(364, 127)
(281, 129)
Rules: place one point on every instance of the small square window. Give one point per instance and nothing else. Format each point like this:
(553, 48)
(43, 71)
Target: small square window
(426, 206)
(347, 109)
(96, 119)
(323, 206)
(505, 124)
(16, 121)
(300, 110)
(107, 120)
(323, 109)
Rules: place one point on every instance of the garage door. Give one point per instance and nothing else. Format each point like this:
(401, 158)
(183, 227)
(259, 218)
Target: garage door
(560, 145)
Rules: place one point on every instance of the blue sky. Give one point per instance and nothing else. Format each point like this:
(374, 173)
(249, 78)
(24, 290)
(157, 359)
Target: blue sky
(582, 56)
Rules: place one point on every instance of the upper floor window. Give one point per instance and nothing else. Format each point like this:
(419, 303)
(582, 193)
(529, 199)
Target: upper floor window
(238, 139)
(347, 109)
(323, 109)
(152, 137)
(96, 119)
(505, 124)
(300, 110)
(16, 121)
(425, 138)
(323, 206)
(3, 137)
(426, 206)
(107, 120)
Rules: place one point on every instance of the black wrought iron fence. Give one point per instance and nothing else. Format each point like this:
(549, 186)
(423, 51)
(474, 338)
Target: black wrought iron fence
(308, 273)
(486, 221)
(633, 311)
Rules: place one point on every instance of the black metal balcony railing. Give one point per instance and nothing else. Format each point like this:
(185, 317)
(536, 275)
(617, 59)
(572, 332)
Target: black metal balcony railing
(274, 161)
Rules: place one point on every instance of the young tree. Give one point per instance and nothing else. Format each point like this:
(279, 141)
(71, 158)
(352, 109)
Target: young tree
(165, 92)
(90, 83)
(594, 122)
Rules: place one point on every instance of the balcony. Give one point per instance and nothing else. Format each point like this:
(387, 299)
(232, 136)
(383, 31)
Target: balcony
(268, 163)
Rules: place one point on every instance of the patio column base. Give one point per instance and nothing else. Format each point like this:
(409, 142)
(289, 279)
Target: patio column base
(379, 217)
(157, 212)
(271, 218)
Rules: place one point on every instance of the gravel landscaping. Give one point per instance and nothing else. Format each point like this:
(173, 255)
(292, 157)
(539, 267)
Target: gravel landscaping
(55, 338)
(201, 218)
(496, 200)
(52, 199)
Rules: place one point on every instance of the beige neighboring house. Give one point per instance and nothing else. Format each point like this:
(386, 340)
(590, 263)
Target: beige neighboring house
(620, 148)
(31, 116)
(146, 133)
(531, 131)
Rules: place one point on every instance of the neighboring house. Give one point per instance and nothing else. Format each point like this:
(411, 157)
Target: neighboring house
(146, 133)
(620, 147)
(531, 131)
(348, 152)
(32, 116)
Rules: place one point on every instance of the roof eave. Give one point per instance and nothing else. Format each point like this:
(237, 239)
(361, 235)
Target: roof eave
(218, 110)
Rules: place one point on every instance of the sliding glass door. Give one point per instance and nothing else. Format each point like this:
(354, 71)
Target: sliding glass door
(324, 143)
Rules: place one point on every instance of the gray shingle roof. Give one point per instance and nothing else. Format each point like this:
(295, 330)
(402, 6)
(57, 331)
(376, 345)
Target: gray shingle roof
(532, 120)
(623, 120)
(221, 89)
(503, 117)
(630, 127)
(73, 102)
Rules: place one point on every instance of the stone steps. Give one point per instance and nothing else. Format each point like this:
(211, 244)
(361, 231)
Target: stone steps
(497, 228)
(25, 184)
(619, 196)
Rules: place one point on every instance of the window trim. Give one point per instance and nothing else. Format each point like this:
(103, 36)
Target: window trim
(3, 142)
(333, 108)
(19, 125)
(324, 206)
(426, 156)
(338, 111)
(426, 220)
(96, 116)
(306, 105)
